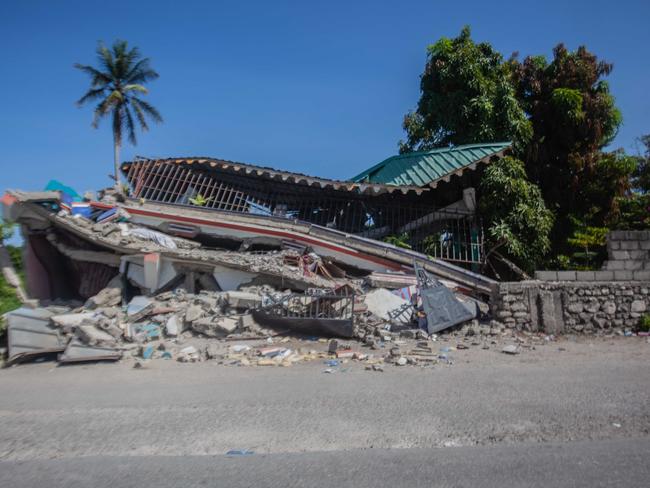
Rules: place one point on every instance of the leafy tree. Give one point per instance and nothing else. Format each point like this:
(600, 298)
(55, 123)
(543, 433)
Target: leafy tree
(633, 209)
(8, 297)
(118, 84)
(641, 175)
(573, 117)
(601, 193)
(467, 96)
(515, 215)
(590, 244)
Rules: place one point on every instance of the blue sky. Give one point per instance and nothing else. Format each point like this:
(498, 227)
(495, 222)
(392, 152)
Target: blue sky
(314, 87)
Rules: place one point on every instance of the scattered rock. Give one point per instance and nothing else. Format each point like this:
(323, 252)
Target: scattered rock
(510, 349)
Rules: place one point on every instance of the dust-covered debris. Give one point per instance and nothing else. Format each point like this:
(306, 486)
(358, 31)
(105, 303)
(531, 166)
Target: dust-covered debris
(144, 293)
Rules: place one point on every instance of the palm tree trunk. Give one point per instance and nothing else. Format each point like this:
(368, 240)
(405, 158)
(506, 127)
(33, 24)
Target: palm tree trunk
(116, 161)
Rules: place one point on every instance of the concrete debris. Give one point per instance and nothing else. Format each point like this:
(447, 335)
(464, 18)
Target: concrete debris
(242, 300)
(189, 354)
(77, 351)
(215, 326)
(92, 336)
(29, 334)
(172, 326)
(193, 313)
(173, 297)
(510, 349)
(138, 308)
(381, 302)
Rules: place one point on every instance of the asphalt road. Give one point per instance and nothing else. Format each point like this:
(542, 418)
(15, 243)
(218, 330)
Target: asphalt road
(580, 464)
(572, 416)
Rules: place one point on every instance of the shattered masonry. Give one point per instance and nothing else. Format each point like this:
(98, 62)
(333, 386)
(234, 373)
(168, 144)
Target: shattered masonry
(108, 278)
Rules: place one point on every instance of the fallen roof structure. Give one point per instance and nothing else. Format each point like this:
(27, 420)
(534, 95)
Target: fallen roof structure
(108, 278)
(443, 225)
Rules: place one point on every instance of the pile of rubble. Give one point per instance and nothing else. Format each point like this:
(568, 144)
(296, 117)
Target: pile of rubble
(149, 294)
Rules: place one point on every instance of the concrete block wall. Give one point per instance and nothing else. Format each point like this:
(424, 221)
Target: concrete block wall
(557, 307)
(628, 253)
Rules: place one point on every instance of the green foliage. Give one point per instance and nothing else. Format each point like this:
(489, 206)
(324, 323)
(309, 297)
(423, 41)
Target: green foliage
(644, 323)
(401, 240)
(6, 230)
(633, 212)
(466, 97)
(641, 175)
(558, 112)
(8, 298)
(567, 103)
(573, 116)
(515, 214)
(589, 243)
(601, 192)
(200, 200)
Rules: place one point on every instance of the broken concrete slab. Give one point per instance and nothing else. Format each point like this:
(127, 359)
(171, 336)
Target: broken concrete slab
(138, 308)
(189, 354)
(77, 351)
(173, 326)
(30, 334)
(111, 328)
(382, 302)
(216, 326)
(194, 313)
(70, 321)
(243, 300)
(230, 279)
(510, 349)
(110, 296)
(91, 335)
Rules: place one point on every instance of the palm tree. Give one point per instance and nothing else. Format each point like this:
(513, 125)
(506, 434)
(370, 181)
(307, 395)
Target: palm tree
(118, 83)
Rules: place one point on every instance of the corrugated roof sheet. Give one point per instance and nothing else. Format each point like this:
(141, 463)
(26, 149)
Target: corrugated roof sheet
(284, 176)
(429, 167)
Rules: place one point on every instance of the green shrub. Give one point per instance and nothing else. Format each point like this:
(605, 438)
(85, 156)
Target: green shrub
(644, 323)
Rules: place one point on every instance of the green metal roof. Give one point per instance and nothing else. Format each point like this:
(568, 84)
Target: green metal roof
(427, 167)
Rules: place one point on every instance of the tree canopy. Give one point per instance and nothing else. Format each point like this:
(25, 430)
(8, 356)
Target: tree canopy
(559, 115)
(518, 220)
(466, 96)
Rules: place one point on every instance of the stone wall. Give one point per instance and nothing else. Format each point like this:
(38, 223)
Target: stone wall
(558, 307)
(613, 298)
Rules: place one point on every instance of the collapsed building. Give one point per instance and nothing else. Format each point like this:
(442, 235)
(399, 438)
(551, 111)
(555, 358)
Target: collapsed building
(226, 249)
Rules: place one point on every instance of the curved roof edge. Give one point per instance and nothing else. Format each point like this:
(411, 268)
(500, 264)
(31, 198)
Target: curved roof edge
(283, 176)
(427, 168)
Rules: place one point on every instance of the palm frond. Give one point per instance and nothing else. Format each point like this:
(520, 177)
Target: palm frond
(101, 109)
(137, 70)
(97, 78)
(141, 72)
(91, 95)
(130, 126)
(135, 87)
(150, 110)
(139, 114)
(116, 97)
(105, 58)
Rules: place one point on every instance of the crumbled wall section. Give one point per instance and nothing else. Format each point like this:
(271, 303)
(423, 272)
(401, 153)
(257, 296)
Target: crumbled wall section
(613, 298)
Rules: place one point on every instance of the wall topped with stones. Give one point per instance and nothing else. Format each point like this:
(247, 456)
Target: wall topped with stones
(559, 307)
